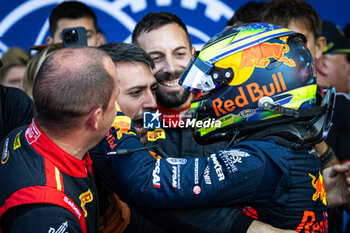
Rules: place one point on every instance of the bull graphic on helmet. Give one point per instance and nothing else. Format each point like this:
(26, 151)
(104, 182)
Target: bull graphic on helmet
(254, 77)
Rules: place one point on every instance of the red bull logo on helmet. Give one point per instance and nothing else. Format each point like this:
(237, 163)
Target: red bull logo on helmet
(255, 92)
(259, 55)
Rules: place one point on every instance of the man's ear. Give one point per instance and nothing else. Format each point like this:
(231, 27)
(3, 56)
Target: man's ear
(193, 51)
(95, 118)
(49, 40)
(320, 44)
(99, 38)
(322, 65)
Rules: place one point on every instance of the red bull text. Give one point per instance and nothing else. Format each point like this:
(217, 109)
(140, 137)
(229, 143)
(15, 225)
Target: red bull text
(255, 92)
(309, 225)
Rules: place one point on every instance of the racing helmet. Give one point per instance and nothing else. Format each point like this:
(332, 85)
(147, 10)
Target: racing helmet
(251, 76)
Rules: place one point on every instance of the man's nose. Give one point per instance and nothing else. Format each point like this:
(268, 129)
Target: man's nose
(170, 64)
(149, 101)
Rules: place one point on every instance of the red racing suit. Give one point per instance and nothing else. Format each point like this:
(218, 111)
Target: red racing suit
(44, 189)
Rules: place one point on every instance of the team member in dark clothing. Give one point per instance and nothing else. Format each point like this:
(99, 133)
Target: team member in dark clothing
(301, 17)
(136, 94)
(46, 172)
(339, 135)
(16, 109)
(262, 88)
(333, 68)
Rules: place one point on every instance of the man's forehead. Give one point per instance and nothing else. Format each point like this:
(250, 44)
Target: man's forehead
(167, 36)
(86, 22)
(300, 27)
(135, 74)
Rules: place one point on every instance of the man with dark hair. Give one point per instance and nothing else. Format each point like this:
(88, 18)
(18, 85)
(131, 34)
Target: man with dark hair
(137, 84)
(301, 17)
(248, 13)
(73, 14)
(45, 167)
(171, 50)
(136, 94)
(165, 38)
(298, 16)
(333, 68)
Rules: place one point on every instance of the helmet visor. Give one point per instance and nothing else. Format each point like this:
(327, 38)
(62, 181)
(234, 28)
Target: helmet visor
(196, 76)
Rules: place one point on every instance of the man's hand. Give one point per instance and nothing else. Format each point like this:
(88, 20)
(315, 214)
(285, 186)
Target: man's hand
(337, 184)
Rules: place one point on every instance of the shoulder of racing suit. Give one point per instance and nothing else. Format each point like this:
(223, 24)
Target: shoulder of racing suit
(30, 178)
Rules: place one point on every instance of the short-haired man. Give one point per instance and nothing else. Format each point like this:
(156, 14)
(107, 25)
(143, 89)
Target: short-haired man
(300, 16)
(136, 82)
(46, 172)
(250, 12)
(165, 38)
(73, 14)
(333, 68)
(136, 94)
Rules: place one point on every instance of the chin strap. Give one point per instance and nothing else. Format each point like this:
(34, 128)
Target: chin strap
(299, 128)
(312, 125)
(266, 104)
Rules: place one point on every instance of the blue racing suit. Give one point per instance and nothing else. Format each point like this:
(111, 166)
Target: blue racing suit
(276, 184)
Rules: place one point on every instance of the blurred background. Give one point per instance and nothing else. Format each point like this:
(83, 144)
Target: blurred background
(25, 23)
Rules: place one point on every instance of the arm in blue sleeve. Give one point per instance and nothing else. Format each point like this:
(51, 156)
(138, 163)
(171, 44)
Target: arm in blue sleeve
(224, 178)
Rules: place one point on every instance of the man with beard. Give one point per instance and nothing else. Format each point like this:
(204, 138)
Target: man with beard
(165, 38)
